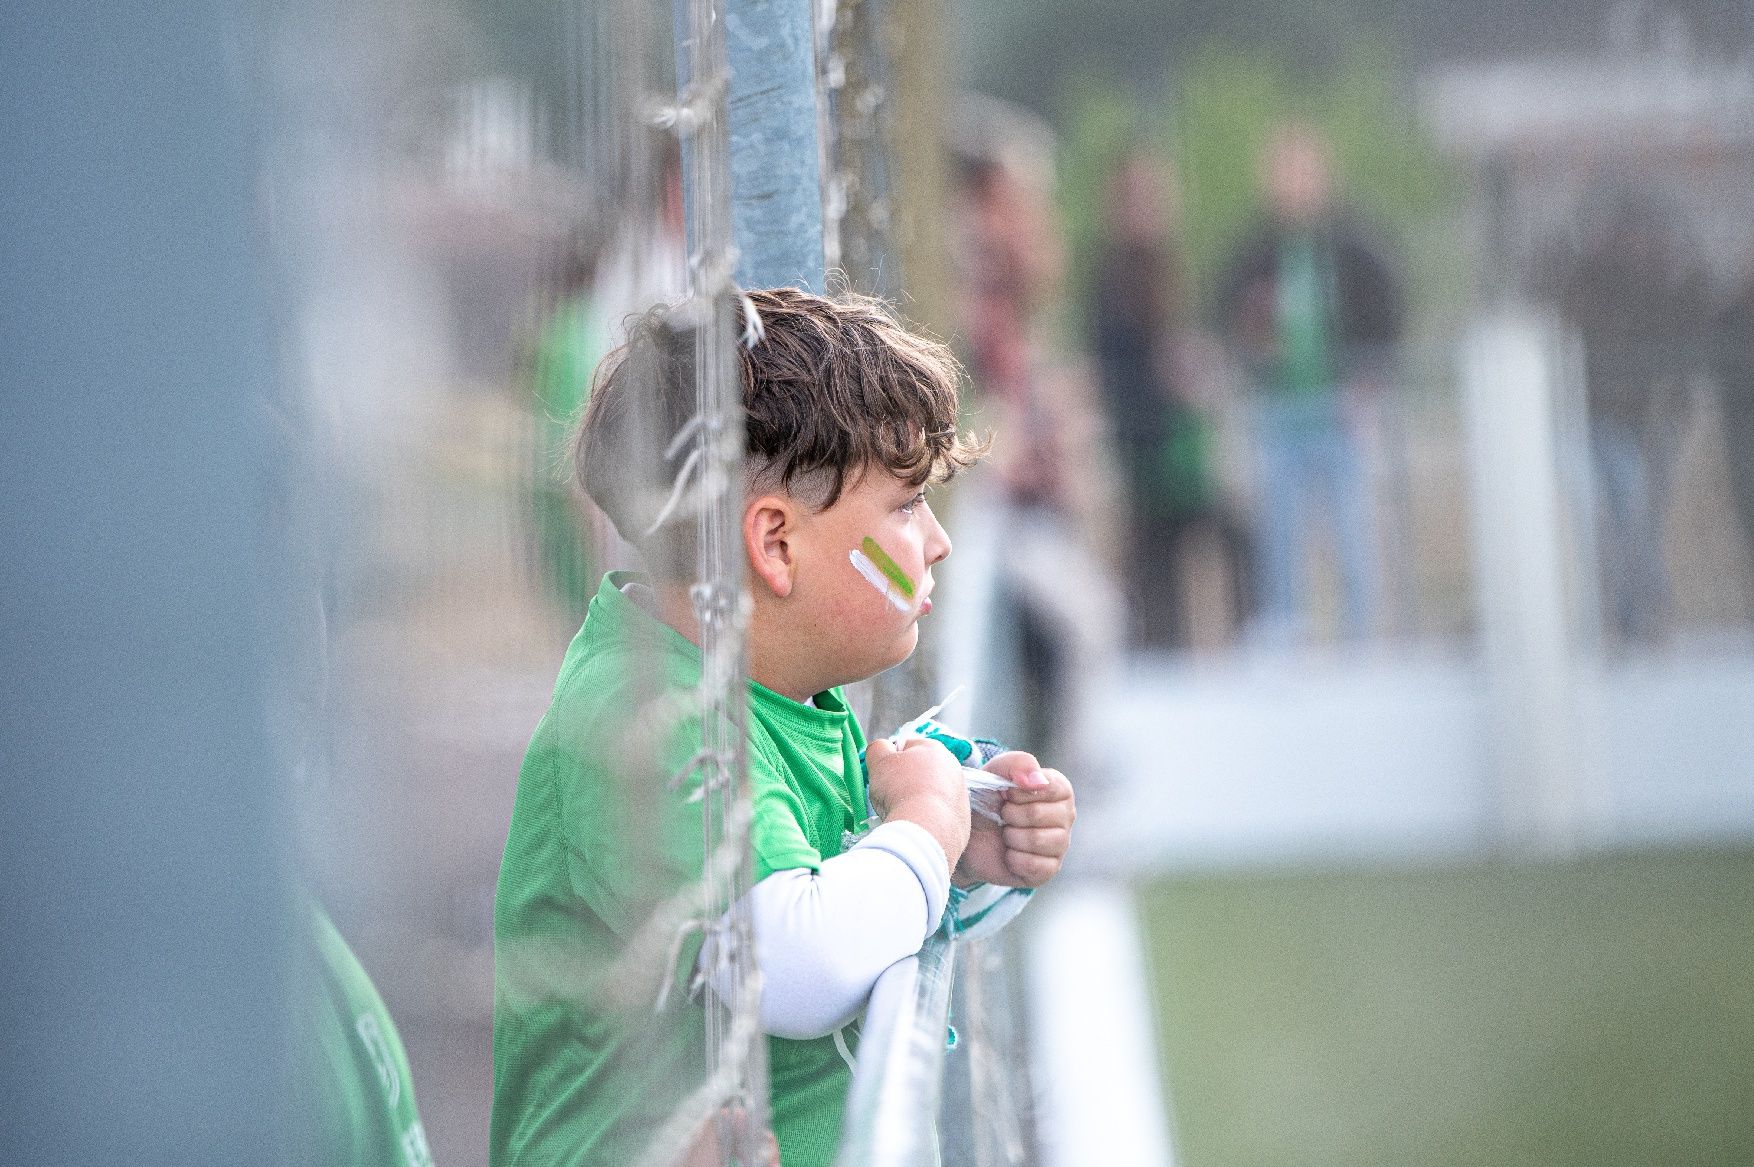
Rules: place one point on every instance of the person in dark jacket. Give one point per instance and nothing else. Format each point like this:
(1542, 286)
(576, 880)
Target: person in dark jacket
(1732, 369)
(1637, 297)
(1313, 315)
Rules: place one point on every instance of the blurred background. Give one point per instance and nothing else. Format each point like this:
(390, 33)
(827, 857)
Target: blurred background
(1369, 531)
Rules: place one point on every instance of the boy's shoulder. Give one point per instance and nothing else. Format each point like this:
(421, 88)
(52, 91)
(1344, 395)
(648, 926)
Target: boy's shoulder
(628, 680)
(623, 645)
(624, 670)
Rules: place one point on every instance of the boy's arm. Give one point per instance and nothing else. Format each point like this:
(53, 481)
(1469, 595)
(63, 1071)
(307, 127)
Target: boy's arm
(824, 937)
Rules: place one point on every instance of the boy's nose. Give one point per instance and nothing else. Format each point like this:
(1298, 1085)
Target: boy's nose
(938, 542)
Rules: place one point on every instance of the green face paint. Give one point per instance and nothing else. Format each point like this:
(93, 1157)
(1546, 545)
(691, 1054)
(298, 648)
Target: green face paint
(890, 569)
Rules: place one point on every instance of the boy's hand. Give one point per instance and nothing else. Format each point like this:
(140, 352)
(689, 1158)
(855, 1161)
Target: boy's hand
(921, 783)
(1026, 849)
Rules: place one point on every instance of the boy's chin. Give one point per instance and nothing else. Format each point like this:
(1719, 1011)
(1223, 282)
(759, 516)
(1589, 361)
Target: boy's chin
(879, 651)
(898, 650)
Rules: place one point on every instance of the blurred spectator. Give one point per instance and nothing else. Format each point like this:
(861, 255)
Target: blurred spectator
(1163, 441)
(607, 273)
(1732, 368)
(1012, 262)
(1313, 314)
(1638, 301)
(355, 1090)
(1053, 604)
(570, 342)
(352, 1084)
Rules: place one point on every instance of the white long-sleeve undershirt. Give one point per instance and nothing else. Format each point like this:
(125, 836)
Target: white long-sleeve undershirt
(824, 937)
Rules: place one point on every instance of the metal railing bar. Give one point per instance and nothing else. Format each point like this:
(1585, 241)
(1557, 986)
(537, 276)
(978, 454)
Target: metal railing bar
(899, 1072)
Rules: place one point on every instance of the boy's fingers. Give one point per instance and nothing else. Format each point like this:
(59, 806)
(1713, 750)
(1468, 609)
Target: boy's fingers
(1036, 814)
(1057, 788)
(1021, 769)
(1052, 842)
(1031, 870)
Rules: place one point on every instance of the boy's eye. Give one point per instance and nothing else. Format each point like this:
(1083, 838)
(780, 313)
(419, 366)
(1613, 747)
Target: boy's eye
(916, 500)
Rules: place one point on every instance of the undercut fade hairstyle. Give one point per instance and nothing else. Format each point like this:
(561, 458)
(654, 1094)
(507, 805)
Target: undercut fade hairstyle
(832, 388)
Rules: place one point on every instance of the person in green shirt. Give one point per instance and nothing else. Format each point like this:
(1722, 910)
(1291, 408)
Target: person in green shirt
(352, 1089)
(1313, 311)
(571, 339)
(856, 843)
(358, 1092)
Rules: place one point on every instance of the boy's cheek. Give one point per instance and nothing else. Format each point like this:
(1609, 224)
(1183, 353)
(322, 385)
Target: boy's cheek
(863, 630)
(864, 604)
(875, 624)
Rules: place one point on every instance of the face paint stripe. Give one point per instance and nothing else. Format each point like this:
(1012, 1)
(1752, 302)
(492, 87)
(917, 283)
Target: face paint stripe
(888, 566)
(874, 575)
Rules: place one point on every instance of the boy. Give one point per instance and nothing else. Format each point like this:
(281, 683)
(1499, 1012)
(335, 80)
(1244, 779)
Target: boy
(849, 418)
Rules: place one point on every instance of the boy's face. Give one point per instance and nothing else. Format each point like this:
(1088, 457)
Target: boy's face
(863, 577)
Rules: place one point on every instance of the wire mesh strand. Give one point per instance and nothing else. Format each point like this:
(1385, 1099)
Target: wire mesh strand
(736, 1054)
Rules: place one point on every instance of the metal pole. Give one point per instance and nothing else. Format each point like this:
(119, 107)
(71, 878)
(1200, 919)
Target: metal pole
(735, 1048)
(735, 1051)
(776, 143)
(894, 1098)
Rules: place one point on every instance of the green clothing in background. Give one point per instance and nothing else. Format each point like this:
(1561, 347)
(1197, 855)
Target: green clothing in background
(567, 352)
(568, 349)
(1303, 322)
(361, 1094)
(584, 1072)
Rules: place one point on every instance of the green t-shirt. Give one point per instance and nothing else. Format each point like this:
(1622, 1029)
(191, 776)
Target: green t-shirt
(359, 1102)
(583, 1072)
(1303, 322)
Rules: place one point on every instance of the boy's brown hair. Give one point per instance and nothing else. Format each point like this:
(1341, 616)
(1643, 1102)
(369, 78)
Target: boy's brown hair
(831, 388)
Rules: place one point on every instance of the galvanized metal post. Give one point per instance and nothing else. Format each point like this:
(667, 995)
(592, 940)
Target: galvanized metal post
(776, 143)
(735, 1048)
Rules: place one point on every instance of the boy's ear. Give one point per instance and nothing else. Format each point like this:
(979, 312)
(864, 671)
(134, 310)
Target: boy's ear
(767, 533)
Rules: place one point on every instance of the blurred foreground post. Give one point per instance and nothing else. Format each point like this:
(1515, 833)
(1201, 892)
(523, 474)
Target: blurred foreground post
(1532, 650)
(144, 918)
(919, 79)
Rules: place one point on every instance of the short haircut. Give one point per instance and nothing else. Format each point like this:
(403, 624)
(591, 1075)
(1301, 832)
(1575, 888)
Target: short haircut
(832, 387)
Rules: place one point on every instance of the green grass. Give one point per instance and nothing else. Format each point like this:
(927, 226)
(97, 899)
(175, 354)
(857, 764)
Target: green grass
(1592, 1012)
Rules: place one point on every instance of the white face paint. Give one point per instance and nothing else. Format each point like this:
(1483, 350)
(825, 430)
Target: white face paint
(875, 577)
